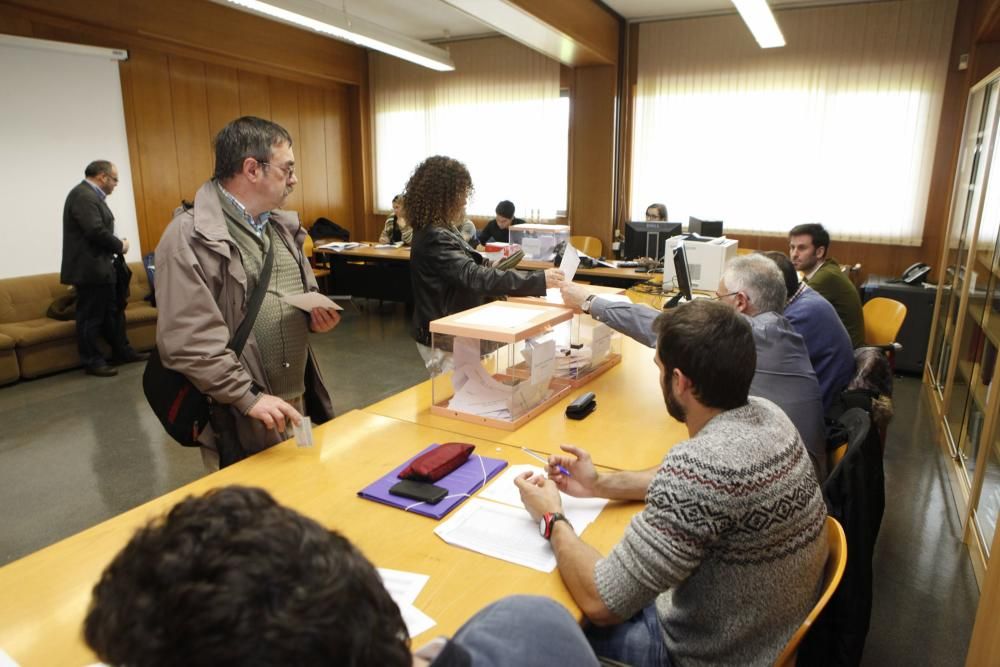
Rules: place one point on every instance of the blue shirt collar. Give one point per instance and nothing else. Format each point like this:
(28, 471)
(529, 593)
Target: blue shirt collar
(256, 225)
(100, 193)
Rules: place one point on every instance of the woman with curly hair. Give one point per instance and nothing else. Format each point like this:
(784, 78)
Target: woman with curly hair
(448, 275)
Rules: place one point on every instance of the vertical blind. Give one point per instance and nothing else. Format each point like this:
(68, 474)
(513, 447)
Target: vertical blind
(837, 127)
(499, 112)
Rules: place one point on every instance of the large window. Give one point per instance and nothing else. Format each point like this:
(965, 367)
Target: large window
(838, 127)
(499, 112)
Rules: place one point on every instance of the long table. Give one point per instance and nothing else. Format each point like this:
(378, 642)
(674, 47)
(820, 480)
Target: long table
(384, 273)
(45, 595)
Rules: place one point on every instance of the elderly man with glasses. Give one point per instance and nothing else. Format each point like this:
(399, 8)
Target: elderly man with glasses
(754, 286)
(208, 263)
(89, 253)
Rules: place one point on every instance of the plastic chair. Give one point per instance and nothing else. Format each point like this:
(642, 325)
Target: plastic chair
(836, 561)
(588, 245)
(883, 320)
(321, 273)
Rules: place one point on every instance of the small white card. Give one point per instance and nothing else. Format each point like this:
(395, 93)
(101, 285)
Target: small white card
(303, 433)
(309, 300)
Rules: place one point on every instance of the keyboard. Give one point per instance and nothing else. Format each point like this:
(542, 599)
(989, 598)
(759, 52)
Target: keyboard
(627, 265)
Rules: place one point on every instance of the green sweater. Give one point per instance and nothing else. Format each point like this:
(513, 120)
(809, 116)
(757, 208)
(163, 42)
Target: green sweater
(833, 284)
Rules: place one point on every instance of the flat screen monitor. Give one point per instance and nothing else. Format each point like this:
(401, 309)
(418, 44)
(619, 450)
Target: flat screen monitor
(712, 228)
(647, 239)
(681, 271)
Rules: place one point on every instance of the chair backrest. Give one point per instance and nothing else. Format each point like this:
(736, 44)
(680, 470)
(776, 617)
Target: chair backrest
(588, 245)
(836, 560)
(307, 246)
(883, 319)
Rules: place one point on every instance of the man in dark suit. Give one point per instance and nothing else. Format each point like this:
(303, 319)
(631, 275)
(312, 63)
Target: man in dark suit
(89, 247)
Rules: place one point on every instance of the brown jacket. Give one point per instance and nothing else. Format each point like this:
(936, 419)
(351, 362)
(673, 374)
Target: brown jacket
(201, 296)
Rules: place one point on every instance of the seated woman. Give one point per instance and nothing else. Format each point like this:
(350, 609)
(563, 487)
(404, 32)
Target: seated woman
(468, 231)
(656, 212)
(396, 229)
(448, 276)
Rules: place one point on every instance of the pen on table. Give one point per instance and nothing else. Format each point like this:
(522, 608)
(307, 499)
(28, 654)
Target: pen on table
(536, 456)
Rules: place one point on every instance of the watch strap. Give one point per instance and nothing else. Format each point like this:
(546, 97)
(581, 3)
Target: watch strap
(585, 307)
(550, 521)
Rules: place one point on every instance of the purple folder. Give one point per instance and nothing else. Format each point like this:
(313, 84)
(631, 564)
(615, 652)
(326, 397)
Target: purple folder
(460, 482)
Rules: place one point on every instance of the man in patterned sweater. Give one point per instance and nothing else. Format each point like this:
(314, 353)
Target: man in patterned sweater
(727, 557)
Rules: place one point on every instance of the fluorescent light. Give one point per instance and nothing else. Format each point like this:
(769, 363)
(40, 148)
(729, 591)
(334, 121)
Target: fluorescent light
(328, 21)
(758, 17)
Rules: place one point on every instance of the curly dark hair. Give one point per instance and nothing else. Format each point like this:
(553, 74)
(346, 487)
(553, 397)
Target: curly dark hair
(234, 578)
(436, 191)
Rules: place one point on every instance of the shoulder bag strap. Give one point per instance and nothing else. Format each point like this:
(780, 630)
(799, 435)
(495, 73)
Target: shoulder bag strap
(257, 298)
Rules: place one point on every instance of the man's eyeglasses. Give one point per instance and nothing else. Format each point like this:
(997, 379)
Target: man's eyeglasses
(288, 171)
(113, 178)
(723, 296)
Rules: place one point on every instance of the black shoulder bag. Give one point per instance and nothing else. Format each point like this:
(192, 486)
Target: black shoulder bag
(181, 408)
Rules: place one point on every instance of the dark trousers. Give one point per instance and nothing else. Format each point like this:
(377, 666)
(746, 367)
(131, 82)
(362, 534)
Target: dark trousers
(98, 314)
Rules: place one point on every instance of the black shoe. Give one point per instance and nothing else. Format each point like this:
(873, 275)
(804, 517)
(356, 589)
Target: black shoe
(101, 371)
(130, 357)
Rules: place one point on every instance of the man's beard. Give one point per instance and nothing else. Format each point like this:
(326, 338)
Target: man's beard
(674, 408)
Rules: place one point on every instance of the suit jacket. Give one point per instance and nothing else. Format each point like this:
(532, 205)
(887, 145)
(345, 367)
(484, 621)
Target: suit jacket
(89, 241)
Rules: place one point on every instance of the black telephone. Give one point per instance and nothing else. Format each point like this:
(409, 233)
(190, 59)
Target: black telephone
(915, 274)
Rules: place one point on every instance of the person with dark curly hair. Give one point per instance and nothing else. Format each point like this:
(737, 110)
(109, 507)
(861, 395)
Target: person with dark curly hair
(447, 274)
(234, 578)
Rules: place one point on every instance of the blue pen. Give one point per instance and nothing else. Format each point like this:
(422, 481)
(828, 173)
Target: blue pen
(536, 456)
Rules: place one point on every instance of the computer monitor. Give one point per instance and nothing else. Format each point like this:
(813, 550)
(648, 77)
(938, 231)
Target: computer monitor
(711, 228)
(647, 239)
(681, 276)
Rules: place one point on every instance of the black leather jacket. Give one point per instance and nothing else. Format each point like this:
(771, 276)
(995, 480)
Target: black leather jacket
(448, 277)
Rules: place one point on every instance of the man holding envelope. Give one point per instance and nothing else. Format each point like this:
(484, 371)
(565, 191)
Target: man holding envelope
(209, 263)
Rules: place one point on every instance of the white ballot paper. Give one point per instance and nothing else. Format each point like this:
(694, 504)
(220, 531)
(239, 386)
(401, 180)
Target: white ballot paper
(404, 587)
(309, 300)
(506, 531)
(570, 262)
(500, 531)
(581, 512)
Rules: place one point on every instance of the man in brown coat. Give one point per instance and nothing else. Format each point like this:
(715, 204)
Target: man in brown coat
(207, 265)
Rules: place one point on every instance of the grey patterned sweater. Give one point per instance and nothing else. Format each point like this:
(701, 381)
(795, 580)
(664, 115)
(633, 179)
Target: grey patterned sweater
(731, 544)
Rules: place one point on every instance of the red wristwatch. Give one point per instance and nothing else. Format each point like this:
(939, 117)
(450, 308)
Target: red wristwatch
(548, 520)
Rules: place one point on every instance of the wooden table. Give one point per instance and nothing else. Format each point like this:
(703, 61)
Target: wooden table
(383, 273)
(45, 595)
(629, 430)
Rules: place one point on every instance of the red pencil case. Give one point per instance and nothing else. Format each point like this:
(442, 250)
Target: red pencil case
(438, 462)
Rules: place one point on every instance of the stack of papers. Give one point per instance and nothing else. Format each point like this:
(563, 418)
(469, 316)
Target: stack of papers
(572, 362)
(496, 524)
(404, 587)
(337, 246)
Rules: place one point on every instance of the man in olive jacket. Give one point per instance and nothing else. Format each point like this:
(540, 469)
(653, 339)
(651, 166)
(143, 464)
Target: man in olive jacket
(89, 246)
(207, 265)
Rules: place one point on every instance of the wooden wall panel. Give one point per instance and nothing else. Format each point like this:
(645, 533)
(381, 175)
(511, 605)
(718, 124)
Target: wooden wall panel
(223, 95)
(311, 154)
(154, 119)
(337, 130)
(285, 112)
(193, 138)
(592, 130)
(255, 95)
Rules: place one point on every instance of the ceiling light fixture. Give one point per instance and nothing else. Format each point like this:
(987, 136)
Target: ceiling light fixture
(758, 17)
(329, 21)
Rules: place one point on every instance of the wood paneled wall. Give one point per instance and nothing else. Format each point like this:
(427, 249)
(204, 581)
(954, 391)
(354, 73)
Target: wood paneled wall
(176, 106)
(181, 85)
(592, 152)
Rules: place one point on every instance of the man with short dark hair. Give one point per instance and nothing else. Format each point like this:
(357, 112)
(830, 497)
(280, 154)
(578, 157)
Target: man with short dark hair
(89, 250)
(234, 578)
(209, 262)
(498, 229)
(808, 248)
(725, 560)
(814, 318)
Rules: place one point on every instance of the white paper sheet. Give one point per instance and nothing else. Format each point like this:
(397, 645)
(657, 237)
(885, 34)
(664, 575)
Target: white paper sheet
(337, 246)
(570, 262)
(499, 316)
(6, 660)
(581, 512)
(477, 392)
(542, 360)
(403, 587)
(309, 300)
(416, 620)
(499, 531)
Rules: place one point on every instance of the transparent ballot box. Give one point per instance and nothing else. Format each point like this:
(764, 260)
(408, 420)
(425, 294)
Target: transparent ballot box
(496, 364)
(585, 348)
(539, 242)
